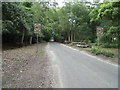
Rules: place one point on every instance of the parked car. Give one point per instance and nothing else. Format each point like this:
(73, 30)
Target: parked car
(83, 45)
(67, 42)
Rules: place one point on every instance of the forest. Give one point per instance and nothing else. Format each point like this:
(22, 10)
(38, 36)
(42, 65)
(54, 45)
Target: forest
(75, 21)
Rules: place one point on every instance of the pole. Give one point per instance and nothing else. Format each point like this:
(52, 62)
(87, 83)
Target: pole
(98, 41)
(37, 42)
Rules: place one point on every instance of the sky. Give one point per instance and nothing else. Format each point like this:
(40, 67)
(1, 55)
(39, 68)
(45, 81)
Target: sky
(60, 2)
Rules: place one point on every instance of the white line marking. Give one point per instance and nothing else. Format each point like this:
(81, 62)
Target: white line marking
(97, 58)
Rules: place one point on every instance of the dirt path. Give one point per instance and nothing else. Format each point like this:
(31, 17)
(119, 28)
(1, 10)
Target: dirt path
(24, 68)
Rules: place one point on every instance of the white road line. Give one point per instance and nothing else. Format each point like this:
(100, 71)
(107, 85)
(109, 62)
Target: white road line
(97, 58)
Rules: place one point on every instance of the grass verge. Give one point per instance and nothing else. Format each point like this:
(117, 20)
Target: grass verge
(98, 51)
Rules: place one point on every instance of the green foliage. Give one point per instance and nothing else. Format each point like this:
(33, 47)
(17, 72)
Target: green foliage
(7, 24)
(103, 52)
(73, 22)
(107, 45)
(58, 38)
(16, 21)
(93, 14)
(27, 4)
(108, 11)
(106, 15)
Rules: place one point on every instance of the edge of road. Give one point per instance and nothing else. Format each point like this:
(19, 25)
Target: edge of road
(93, 56)
(56, 69)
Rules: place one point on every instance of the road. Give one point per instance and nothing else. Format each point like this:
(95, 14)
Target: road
(80, 70)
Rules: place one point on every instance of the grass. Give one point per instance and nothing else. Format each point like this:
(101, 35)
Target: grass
(98, 51)
(42, 41)
(70, 44)
(109, 52)
(40, 52)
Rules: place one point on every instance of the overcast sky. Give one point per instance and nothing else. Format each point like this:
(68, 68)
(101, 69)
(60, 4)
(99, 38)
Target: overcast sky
(60, 2)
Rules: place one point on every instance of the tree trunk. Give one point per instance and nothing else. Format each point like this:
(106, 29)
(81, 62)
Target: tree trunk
(22, 39)
(69, 36)
(30, 40)
(74, 36)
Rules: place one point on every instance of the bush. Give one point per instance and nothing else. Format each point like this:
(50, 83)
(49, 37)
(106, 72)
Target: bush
(58, 38)
(77, 41)
(93, 44)
(42, 41)
(107, 45)
(103, 52)
(71, 44)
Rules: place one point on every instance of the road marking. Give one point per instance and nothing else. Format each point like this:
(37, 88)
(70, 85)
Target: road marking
(97, 58)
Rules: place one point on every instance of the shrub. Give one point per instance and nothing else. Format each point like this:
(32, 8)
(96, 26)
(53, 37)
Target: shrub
(94, 44)
(107, 45)
(42, 41)
(103, 52)
(70, 44)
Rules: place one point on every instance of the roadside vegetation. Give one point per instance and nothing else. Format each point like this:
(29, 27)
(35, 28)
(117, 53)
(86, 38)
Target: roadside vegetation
(97, 50)
(76, 21)
(107, 51)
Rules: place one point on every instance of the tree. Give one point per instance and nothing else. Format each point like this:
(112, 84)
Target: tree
(16, 22)
(109, 13)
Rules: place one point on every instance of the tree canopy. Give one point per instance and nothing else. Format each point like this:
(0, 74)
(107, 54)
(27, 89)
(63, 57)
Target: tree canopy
(76, 21)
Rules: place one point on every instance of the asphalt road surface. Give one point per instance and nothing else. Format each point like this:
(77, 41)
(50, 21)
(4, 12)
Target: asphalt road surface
(80, 70)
